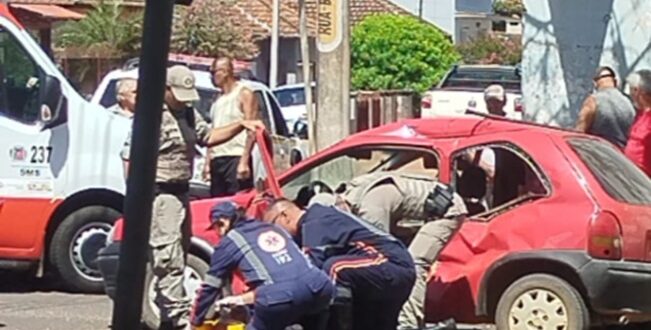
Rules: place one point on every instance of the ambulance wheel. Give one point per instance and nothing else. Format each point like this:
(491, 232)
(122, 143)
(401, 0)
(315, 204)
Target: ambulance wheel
(194, 273)
(75, 245)
(541, 301)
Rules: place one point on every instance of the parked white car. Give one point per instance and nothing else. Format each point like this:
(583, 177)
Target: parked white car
(292, 103)
(105, 95)
(462, 89)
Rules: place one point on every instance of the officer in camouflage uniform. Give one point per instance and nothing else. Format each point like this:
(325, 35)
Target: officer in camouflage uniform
(384, 198)
(181, 128)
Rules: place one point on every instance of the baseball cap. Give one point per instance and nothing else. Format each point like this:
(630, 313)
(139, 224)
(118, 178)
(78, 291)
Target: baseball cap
(603, 72)
(494, 92)
(222, 210)
(181, 81)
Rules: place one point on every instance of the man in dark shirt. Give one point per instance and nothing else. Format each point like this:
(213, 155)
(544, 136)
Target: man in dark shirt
(374, 265)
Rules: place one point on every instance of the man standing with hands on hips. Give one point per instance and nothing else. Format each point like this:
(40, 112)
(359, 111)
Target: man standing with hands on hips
(230, 162)
(181, 128)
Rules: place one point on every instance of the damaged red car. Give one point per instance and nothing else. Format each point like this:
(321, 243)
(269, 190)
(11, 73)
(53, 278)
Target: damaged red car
(559, 235)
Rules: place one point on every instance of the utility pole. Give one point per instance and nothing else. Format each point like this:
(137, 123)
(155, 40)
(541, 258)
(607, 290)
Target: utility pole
(307, 74)
(157, 27)
(273, 56)
(333, 81)
(420, 9)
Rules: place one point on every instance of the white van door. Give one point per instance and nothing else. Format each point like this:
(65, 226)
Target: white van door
(32, 152)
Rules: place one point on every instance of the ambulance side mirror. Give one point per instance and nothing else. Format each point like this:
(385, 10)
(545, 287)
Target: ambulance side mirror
(53, 105)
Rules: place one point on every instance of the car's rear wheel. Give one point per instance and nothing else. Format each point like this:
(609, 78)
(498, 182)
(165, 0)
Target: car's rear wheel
(541, 302)
(194, 273)
(76, 243)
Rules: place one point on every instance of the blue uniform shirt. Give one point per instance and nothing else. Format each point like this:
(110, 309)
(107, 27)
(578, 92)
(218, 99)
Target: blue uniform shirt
(264, 253)
(327, 232)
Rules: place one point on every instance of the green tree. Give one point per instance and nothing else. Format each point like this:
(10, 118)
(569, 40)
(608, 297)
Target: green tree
(509, 7)
(106, 29)
(398, 52)
(210, 28)
(491, 50)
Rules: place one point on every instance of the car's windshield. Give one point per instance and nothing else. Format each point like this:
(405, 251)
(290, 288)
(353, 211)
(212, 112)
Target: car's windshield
(617, 175)
(291, 96)
(480, 78)
(358, 161)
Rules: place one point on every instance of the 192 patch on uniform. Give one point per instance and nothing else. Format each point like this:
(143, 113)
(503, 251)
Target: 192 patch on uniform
(271, 241)
(275, 244)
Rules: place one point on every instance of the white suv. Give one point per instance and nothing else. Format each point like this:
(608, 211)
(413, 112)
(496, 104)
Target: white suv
(272, 116)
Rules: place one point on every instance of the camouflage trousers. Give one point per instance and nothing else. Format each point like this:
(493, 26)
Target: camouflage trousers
(425, 249)
(169, 242)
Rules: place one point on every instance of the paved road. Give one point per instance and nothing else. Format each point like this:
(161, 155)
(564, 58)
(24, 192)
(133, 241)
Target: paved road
(27, 304)
(32, 304)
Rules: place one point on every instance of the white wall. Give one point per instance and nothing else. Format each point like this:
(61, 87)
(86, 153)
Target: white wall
(468, 28)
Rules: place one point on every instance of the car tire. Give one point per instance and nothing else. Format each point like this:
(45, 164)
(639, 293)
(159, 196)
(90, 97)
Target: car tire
(541, 301)
(75, 244)
(150, 315)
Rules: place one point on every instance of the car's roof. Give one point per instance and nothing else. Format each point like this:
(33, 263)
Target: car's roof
(485, 67)
(454, 127)
(203, 79)
(292, 86)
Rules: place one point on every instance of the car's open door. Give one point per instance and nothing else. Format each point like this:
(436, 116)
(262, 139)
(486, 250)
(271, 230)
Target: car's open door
(264, 176)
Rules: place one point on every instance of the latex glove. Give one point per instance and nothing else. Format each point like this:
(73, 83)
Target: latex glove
(230, 301)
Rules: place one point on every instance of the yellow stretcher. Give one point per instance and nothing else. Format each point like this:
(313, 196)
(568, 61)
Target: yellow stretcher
(217, 325)
(230, 318)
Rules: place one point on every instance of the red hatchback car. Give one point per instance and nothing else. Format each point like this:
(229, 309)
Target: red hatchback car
(560, 230)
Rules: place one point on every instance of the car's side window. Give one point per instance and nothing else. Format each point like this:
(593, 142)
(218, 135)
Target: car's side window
(109, 98)
(19, 81)
(345, 166)
(494, 178)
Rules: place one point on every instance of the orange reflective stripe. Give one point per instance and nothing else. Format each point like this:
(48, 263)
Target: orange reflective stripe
(353, 264)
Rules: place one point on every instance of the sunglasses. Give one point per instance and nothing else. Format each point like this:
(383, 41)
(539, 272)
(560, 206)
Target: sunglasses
(607, 75)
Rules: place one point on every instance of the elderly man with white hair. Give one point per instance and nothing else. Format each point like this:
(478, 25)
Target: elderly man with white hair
(125, 91)
(638, 148)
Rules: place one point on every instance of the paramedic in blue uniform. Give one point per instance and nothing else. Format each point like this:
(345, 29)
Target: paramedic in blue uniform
(286, 288)
(374, 265)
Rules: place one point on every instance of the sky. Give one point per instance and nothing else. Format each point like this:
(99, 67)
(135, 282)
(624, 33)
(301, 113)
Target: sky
(441, 12)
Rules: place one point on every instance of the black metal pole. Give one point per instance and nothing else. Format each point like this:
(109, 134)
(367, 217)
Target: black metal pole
(142, 168)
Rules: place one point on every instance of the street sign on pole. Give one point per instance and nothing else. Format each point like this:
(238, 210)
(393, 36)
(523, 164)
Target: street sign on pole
(157, 27)
(307, 76)
(333, 80)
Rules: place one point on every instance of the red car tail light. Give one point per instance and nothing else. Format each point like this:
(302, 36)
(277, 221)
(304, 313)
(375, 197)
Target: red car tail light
(517, 105)
(116, 232)
(605, 237)
(426, 102)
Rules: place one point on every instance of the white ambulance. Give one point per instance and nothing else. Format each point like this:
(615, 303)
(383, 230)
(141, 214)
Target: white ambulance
(61, 178)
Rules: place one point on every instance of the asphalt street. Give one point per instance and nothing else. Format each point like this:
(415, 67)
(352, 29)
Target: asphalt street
(40, 304)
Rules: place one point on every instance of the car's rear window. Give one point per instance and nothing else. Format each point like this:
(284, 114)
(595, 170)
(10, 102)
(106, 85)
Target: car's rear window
(618, 176)
(482, 78)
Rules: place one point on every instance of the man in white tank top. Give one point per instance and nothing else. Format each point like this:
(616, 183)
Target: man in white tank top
(230, 162)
